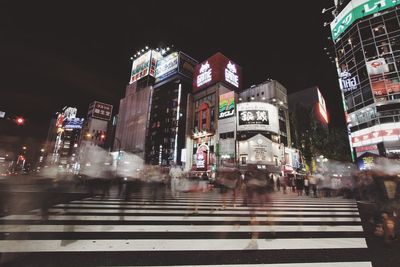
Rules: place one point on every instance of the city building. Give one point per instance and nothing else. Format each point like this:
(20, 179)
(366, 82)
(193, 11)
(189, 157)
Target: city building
(309, 119)
(167, 125)
(211, 118)
(62, 144)
(263, 128)
(134, 108)
(271, 91)
(366, 39)
(94, 131)
(151, 119)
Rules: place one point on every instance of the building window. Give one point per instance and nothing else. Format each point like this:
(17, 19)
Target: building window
(379, 30)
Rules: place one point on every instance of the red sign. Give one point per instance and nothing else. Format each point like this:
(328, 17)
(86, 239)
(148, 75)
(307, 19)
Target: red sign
(102, 111)
(366, 148)
(217, 68)
(375, 134)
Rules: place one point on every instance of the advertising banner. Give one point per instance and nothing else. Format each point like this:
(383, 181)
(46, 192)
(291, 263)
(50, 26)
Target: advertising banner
(217, 68)
(144, 65)
(201, 157)
(357, 9)
(73, 123)
(226, 105)
(348, 82)
(257, 116)
(102, 111)
(323, 112)
(381, 84)
(167, 66)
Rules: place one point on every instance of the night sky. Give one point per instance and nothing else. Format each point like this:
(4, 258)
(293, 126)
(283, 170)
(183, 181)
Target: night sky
(56, 54)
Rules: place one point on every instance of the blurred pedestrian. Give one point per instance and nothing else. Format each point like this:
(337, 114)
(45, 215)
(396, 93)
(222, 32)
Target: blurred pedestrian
(307, 186)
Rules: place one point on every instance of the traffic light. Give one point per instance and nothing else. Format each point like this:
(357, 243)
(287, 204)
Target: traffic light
(20, 121)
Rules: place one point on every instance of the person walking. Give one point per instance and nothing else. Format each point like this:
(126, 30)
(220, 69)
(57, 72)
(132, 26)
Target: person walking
(307, 186)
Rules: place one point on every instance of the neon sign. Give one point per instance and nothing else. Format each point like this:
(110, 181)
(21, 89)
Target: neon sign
(231, 74)
(205, 74)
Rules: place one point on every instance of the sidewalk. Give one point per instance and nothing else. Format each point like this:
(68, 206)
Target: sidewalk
(382, 254)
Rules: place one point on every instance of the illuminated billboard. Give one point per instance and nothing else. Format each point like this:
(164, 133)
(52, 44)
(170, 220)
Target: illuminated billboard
(381, 84)
(217, 68)
(348, 82)
(102, 111)
(167, 66)
(388, 132)
(73, 123)
(144, 65)
(257, 116)
(322, 111)
(357, 9)
(226, 105)
(176, 62)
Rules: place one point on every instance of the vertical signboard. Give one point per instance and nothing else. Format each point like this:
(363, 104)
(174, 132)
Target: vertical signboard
(322, 108)
(226, 105)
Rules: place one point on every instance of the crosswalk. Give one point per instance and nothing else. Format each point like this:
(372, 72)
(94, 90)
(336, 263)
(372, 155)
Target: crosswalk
(189, 230)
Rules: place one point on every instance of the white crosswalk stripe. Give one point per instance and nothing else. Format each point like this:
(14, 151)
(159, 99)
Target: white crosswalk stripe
(201, 224)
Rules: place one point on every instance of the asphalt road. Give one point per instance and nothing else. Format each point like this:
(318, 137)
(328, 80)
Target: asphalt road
(188, 229)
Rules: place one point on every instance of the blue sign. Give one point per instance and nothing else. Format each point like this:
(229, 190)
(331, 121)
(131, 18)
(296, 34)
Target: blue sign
(73, 123)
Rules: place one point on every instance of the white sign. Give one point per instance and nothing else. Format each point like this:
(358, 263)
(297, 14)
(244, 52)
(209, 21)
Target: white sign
(377, 66)
(205, 75)
(347, 82)
(257, 116)
(167, 65)
(70, 113)
(2, 114)
(231, 74)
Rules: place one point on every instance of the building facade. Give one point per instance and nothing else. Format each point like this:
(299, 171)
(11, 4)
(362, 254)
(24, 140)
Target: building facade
(366, 36)
(167, 125)
(151, 120)
(263, 128)
(94, 132)
(211, 129)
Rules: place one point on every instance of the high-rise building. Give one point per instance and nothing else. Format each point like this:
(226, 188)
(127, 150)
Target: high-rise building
(366, 38)
(94, 131)
(211, 120)
(167, 124)
(134, 108)
(62, 144)
(151, 119)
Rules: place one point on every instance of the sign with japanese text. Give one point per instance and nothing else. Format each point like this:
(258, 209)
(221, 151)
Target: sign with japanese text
(102, 111)
(217, 68)
(144, 65)
(357, 9)
(257, 116)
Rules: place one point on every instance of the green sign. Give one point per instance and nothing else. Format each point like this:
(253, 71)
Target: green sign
(357, 9)
(226, 105)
